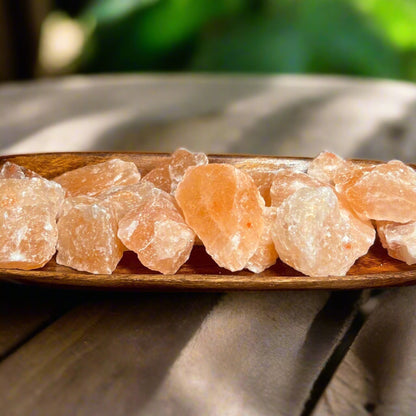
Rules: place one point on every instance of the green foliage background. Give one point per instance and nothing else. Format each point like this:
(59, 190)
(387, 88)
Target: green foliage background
(374, 38)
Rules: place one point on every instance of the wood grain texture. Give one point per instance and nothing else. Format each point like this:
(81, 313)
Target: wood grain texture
(25, 310)
(106, 357)
(376, 269)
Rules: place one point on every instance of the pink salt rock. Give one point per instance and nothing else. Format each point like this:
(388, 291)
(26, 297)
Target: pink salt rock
(399, 240)
(315, 236)
(385, 192)
(170, 173)
(126, 198)
(287, 182)
(157, 233)
(223, 206)
(91, 180)
(88, 239)
(266, 254)
(10, 170)
(325, 166)
(28, 232)
(349, 175)
(72, 201)
(263, 171)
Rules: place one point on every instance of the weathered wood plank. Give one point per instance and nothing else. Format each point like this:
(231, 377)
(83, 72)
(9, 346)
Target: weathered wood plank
(25, 310)
(105, 357)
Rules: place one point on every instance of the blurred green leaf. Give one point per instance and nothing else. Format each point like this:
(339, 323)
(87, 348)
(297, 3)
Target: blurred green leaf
(104, 10)
(342, 40)
(358, 37)
(260, 44)
(396, 18)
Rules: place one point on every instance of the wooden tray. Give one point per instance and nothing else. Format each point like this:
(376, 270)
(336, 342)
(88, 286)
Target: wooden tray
(376, 269)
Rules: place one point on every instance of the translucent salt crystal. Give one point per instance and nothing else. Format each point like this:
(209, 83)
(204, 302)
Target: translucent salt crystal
(71, 201)
(263, 171)
(88, 239)
(169, 174)
(317, 237)
(126, 198)
(399, 240)
(223, 206)
(157, 233)
(28, 232)
(384, 192)
(325, 166)
(287, 182)
(91, 180)
(10, 170)
(266, 254)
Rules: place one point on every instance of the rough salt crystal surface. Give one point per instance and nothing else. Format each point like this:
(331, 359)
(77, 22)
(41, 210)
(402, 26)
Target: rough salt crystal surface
(317, 237)
(170, 173)
(123, 199)
(266, 254)
(263, 171)
(28, 232)
(88, 239)
(91, 180)
(325, 166)
(157, 233)
(287, 182)
(223, 206)
(399, 240)
(10, 170)
(383, 192)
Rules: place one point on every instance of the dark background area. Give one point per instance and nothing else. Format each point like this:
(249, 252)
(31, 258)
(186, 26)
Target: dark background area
(370, 38)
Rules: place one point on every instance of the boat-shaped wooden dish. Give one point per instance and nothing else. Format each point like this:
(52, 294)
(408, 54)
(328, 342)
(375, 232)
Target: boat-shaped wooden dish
(376, 269)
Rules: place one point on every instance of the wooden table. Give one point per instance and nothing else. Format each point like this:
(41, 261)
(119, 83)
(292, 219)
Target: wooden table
(83, 352)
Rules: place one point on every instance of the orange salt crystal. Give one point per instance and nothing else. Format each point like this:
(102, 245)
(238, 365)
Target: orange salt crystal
(383, 192)
(265, 255)
(72, 201)
(126, 198)
(349, 175)
(157, 233)
(313, 235)
(88, 239)
(28, 232)
(168, 175)
(287, 182)
(399, 240)
(325, 166)
(263, 172)
(10, 170)
(91, 180)
(223, 206)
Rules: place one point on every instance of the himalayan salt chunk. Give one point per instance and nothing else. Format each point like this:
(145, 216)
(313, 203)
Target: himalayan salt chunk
(28, 237)
(287, 182)
(399, 240)
(125, 198)
(91, 180)
(157, 233)
(72, 201)
(384, 192)
(28, 232)
(16, 193)
(223, 206)
(10, 170)
(325, 166)
(349, 175)
(88, 239)
(266, 254)
(313, 235)
(263, 172)
(170, 173)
